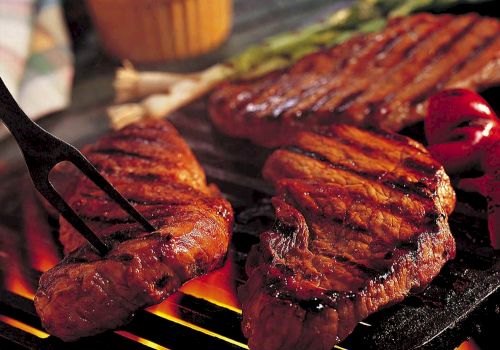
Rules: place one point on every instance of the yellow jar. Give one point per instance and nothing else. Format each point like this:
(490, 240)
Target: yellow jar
(146, 31)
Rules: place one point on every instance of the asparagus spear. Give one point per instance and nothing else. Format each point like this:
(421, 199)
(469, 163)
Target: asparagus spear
(169, 92)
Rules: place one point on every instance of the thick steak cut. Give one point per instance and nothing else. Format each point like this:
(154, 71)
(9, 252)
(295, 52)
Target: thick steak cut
(362, 221)
(152, 166)
(379, 79)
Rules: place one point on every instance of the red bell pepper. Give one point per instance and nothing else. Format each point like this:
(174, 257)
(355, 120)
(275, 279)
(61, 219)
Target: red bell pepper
(464, 133)
(459, 125)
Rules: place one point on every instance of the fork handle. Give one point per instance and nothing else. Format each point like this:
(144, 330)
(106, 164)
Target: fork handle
(32, 139)
(21, 127)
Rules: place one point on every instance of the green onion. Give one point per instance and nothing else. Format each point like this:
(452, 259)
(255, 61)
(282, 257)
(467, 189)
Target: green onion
(364, 16)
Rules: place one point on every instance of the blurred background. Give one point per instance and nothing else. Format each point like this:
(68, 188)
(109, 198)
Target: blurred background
(71, 49)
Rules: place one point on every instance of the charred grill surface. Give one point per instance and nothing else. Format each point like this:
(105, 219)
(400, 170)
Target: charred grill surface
(362, 221)
(380, 79)
(150, 165)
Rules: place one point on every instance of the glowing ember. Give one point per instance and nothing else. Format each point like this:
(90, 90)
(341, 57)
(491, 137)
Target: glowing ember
(23, 326)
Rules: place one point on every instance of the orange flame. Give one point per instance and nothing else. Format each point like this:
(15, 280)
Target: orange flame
(11, 265)
(218, 287)
(19, 285)
(168, 307)
(41, 250)
(39, 242)
(468, 345)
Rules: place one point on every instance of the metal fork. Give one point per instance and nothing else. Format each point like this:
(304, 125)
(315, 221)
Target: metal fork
(42, 151)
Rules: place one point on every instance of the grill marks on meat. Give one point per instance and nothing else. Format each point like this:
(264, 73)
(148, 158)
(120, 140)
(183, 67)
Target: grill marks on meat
(147, 163)
(361, 223)
(379, 79)
(150, 165)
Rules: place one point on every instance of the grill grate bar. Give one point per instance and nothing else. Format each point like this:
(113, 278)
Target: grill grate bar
(171, 334)
(23, 326)
(146, 342)
(15, 337)
(210, 316)
(145, 325)
(14, 305)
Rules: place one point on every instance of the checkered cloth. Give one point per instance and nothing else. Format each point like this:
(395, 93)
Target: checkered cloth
(36, 62)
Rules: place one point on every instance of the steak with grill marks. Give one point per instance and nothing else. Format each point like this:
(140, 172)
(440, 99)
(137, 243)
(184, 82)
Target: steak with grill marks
(379, 79)
(362, 221)
(151, 166)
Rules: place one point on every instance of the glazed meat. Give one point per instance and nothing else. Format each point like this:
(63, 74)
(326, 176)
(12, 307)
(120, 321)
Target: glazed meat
(380, 79)
(150, 165)
(362, 221)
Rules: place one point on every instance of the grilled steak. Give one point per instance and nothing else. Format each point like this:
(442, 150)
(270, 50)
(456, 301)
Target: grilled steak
(152, 166)
(362, 221)
(379, 79)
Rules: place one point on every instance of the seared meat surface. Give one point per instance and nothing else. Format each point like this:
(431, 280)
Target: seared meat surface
(379, 79)
(362, 221)
(150, 165)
